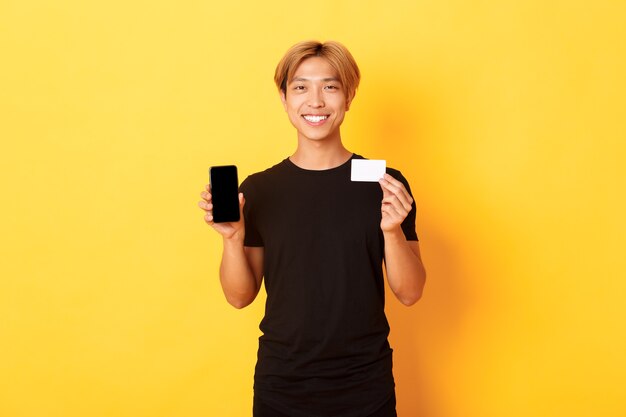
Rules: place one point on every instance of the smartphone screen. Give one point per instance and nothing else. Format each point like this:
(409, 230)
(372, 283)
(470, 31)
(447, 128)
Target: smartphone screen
(224, 193)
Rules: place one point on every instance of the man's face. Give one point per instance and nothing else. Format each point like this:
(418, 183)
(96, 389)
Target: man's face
(315, 100)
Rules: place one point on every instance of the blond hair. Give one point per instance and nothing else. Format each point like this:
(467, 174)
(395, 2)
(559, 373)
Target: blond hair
(335, 53)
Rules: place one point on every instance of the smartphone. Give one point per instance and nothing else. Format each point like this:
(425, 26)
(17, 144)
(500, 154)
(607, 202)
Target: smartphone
(224, 193)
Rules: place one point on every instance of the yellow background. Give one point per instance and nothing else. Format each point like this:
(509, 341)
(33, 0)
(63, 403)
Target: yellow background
(507, 117)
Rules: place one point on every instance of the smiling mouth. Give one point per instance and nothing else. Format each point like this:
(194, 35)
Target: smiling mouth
(314, 118)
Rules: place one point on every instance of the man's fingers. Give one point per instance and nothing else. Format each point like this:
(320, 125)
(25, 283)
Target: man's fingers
(242, 202)
(397, 188)
(391, 211)
(395, 211)
(398, 201)
(205, 206)
(206, 195)
(393, 182)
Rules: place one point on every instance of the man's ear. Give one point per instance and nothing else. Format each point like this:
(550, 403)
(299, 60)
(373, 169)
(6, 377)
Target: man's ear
(283, 99)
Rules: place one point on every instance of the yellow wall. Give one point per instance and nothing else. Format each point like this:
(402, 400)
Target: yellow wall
(507, 117)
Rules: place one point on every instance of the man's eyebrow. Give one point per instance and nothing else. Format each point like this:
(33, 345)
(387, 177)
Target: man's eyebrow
(309, 79)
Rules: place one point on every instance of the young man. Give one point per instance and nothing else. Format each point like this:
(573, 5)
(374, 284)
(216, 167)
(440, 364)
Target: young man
(319, 240)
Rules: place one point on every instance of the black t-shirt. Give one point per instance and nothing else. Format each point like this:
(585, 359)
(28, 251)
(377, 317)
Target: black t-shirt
(324, 348)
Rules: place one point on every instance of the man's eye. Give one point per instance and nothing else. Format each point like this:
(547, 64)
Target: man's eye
(298, 87)
(332, 87)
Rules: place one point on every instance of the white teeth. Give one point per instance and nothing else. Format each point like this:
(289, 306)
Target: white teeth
(315, 119)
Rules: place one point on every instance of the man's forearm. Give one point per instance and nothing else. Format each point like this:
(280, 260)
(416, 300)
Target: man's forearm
(236, 276)
(405, 270)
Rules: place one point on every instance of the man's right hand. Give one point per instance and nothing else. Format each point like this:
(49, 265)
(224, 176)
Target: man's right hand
(231, 230)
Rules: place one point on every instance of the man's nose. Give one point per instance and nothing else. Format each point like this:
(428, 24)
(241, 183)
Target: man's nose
(316, 98)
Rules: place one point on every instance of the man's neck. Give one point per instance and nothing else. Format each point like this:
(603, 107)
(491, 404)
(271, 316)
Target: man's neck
(320, 155)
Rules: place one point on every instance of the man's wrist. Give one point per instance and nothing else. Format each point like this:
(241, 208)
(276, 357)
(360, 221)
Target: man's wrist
(394, 234)
(235, 240)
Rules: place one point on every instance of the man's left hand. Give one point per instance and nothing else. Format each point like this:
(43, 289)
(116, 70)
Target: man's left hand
(396, 203)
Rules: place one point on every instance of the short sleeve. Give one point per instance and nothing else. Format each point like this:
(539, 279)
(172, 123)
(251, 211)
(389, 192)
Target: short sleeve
(252, 237)
(408, 225)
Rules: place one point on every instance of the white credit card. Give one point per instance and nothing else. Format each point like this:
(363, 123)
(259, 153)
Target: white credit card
(368, 170)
